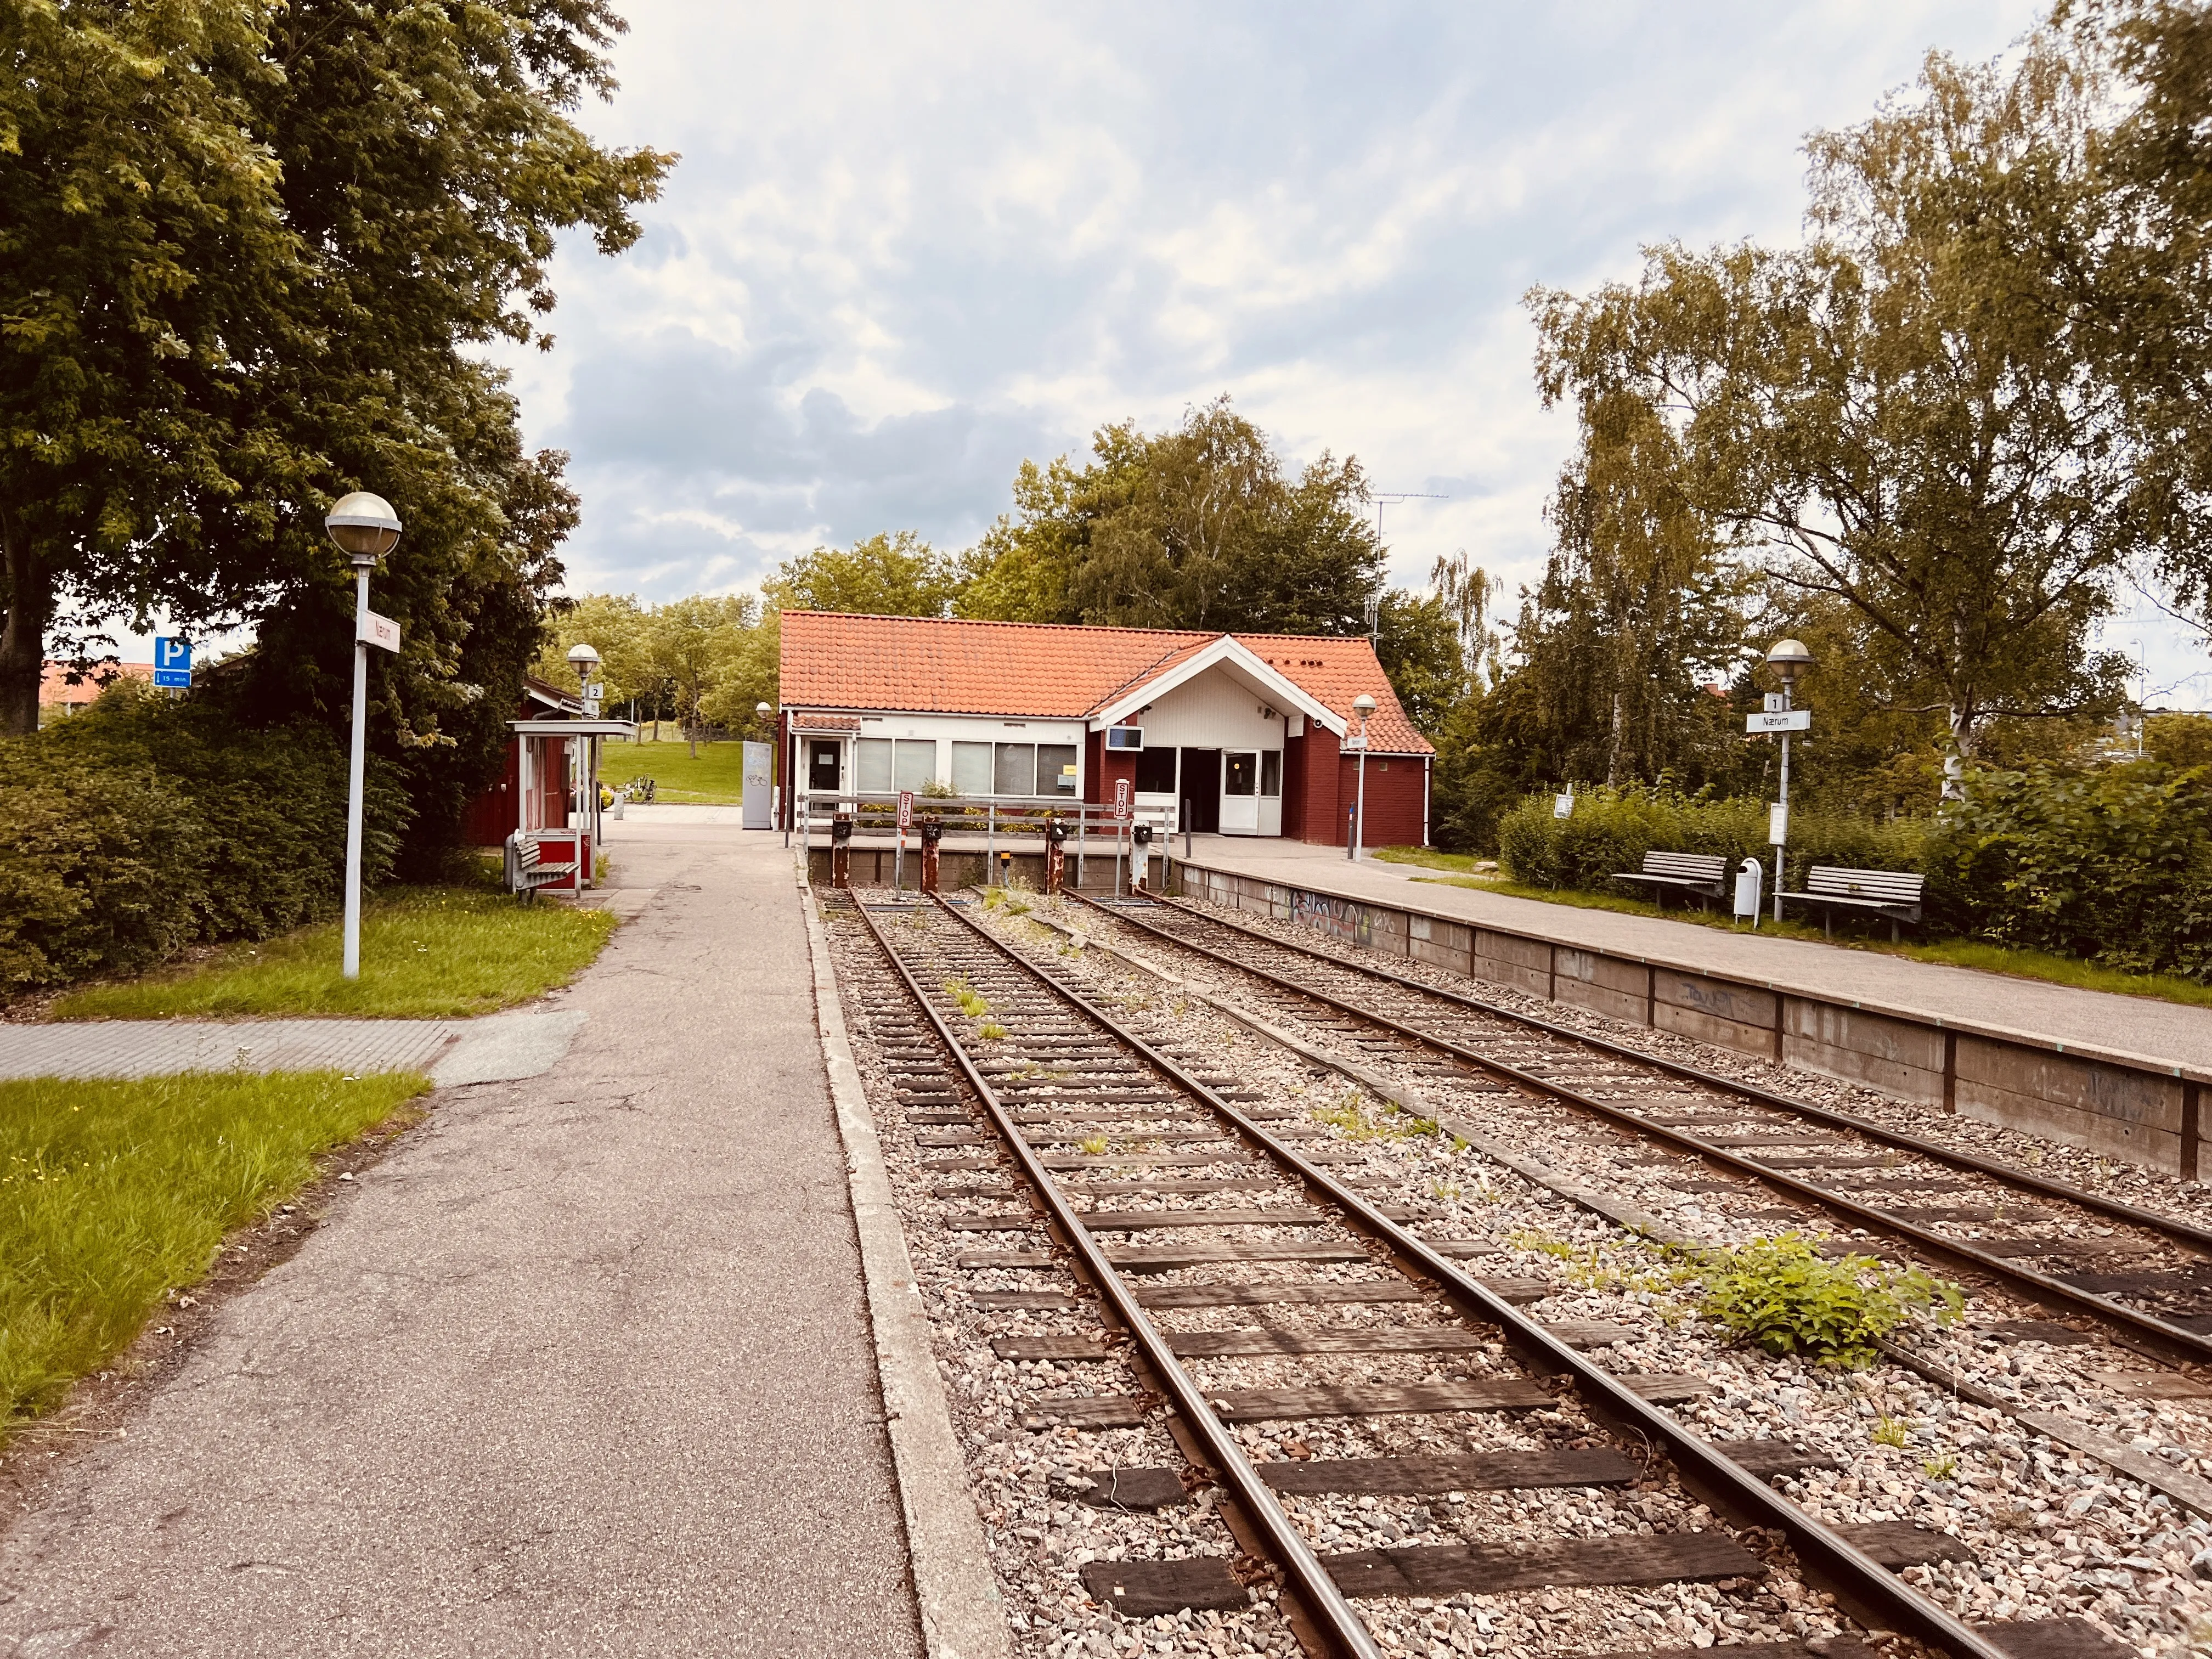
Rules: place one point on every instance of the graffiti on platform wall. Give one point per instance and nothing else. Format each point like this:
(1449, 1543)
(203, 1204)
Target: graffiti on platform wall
(1340, 918)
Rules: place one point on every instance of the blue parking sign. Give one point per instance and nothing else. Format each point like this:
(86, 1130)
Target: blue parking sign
(173, 664)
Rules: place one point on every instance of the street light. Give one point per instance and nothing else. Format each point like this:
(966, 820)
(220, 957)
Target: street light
(365, 528)
(583, 658)
(1790, 662)
(1363, 705)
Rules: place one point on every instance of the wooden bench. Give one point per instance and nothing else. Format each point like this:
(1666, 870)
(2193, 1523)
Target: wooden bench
(1705, 874)
(527, 870)
(1891, 893)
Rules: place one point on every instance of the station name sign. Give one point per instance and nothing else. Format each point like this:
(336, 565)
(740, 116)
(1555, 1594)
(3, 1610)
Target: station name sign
(1780, 719)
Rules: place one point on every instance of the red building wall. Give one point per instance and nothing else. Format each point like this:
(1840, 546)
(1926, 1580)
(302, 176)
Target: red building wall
(1101, 769)
(1397, 798)
(495, 814)
(1321, 815)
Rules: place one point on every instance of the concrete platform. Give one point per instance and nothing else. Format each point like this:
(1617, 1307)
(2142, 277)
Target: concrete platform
(583, 1367)
(2116, 1073)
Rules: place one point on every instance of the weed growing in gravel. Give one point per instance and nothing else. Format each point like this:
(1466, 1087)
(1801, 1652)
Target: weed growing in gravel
(1013, 898)
(1394, 1122)
(990, 1031)
(1783, 1295)
(1939, 1468)
(1892, 1432)
(972, 1002)
(1094, 1147)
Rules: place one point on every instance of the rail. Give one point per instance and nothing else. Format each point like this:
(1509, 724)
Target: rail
(1824, 1556)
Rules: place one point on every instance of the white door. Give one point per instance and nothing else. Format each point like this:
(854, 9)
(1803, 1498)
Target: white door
(1240, 792)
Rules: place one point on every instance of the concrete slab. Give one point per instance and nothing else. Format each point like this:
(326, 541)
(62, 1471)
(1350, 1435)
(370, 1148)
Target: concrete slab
(2162, 1033)
(583, 1367)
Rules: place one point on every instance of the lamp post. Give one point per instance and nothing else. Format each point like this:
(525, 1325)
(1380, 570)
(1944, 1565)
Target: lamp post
(365, 528)
(1790, 662)
(1363, 705)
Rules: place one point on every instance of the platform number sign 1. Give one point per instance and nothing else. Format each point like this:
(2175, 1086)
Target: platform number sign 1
(1120, 800)
(905, 809)
(173, 664)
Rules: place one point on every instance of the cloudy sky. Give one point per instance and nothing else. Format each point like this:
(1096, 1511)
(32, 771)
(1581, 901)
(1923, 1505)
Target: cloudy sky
(907, 246)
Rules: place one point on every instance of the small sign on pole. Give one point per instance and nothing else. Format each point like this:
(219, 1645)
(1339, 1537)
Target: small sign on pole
(1563, 805)
(1782, 719)
(1120, 800)
(905, 809)
(1777, 823)
(1775, 702)
(381, 632)
(173, 665)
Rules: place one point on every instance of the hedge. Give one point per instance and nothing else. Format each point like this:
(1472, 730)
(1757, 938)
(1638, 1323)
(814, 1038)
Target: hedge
(144, 825)
(2111, 864)
(1610, 829)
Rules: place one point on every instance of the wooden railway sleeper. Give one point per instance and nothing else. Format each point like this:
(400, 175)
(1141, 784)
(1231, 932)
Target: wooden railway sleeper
(1869, 1591)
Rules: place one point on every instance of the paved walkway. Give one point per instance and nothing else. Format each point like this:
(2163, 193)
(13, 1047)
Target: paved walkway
(497, 1049)
(2165, 1033)
(583, 1368)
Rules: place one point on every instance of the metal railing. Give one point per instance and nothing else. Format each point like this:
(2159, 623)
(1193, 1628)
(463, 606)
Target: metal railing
(1092, 830)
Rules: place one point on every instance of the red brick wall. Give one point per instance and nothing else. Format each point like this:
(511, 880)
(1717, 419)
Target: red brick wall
(1397, 793)
(1321, 818)
(1100, 770)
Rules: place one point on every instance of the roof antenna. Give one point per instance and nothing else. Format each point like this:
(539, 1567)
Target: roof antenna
(1373, 615)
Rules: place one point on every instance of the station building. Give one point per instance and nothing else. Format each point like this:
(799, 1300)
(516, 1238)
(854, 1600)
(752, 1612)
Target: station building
(1238, 734)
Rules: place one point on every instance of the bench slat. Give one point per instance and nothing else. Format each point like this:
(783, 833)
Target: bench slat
(1894, 886)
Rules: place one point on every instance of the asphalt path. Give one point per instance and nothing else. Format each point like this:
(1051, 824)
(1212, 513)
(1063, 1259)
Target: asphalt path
(582, 1368)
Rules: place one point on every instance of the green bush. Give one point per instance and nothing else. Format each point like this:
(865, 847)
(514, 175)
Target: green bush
(1610, 829)
(1783, 1295)
(146, 824)
(2113, 865)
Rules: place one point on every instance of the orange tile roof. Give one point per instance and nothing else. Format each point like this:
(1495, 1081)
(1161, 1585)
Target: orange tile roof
(54, 679)
(925, 665)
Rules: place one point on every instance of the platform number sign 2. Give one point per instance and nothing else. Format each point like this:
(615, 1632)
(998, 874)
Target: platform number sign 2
(173, 664)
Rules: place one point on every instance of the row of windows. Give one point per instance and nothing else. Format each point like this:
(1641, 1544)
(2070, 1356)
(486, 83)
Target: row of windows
(885, 764)
(1242, 772)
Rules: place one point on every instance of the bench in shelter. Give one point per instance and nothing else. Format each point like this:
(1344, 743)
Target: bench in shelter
(1891, 893)
(527, 868)
(1705, 874)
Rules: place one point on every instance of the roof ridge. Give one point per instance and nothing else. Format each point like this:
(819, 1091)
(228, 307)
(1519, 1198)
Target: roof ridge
(994, 622)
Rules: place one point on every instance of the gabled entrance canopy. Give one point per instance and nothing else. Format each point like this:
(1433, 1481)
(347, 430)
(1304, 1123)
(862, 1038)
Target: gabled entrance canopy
(1243, 666)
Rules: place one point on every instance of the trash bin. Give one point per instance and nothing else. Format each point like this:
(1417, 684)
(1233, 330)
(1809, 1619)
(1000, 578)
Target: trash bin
(1748, 879)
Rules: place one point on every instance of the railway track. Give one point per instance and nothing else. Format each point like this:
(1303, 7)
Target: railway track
(2141, 1275)
(1227, 1264)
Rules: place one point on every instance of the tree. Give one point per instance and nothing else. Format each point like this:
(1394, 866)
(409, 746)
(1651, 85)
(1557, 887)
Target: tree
(1418, 640)
(1197, 527)
(747, 664)
(617, 627)
(1905, 416)
(1468, 594)
(2149, 292)
(144, 264)
(274, 237)
(897, 575)
(687, 642)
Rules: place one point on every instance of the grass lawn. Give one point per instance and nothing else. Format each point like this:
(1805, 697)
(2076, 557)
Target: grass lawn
(112, 1194)
(426, 952)
(1958, 952)
(716, 778)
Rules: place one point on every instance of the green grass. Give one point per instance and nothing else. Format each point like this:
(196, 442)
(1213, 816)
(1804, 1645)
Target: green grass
(114, 1194)
(426, 953)
(716, 778)
(1955, 952)
(1427, 857)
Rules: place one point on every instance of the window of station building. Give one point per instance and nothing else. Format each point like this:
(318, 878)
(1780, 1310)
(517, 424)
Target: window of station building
(971, 769)
(914, 764)
(1014, 772)
(1271, 771)
(872, 769)
(1055, 774)
(1239, 774)
(1155, 771)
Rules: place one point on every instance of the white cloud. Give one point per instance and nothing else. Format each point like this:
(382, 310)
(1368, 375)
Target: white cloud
(909, 246)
